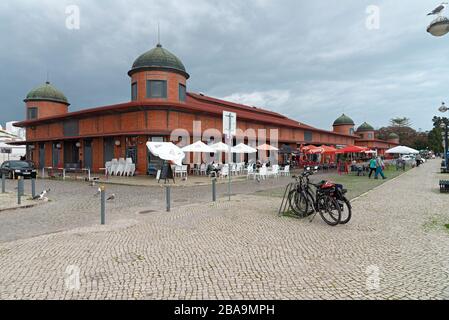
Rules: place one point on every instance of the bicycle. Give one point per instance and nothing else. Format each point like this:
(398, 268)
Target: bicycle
(304, 202)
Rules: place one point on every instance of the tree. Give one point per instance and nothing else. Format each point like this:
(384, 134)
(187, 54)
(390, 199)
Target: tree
(400, 122)
(435, 140)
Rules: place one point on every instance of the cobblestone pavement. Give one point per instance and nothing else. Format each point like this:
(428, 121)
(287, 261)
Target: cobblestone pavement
(395, 247)
(73, 204)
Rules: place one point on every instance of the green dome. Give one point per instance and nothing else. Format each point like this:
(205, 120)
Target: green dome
(365, 127)
(46, 92)
(343, 120)
(158, 58)
(393, 136)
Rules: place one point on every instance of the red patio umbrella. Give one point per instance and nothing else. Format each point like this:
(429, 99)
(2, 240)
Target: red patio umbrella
(306, 149)
(351, 149)
(327, 149)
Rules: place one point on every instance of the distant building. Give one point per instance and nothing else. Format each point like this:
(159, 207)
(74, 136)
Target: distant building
(8, 135)
(365, 135)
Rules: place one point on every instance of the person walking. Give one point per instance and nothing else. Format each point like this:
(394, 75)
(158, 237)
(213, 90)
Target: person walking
(372, 166)
(418, 160)
(379, 166)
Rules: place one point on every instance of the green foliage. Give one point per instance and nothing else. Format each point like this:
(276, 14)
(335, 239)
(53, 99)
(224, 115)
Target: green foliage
(400, 122)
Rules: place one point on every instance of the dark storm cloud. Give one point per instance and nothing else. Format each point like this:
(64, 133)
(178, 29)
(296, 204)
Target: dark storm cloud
(307, 59)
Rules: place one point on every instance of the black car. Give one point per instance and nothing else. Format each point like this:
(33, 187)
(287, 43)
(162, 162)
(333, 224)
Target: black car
(14, 168)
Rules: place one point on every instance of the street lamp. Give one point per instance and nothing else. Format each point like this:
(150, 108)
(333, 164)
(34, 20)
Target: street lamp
(443, 124)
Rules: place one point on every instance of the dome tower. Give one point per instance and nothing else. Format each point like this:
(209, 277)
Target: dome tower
(45, 101)
(158, 75)
(344, 124)
(366, 131)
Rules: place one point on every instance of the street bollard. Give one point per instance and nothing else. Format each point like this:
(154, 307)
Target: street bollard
(3, 183)
(22, 186)
(103, 205)
(33, 187)
(167, 197)
(19, 193)
(214, 190)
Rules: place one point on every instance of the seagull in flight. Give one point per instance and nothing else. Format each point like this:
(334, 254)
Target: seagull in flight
(438, 9)
(111, 197)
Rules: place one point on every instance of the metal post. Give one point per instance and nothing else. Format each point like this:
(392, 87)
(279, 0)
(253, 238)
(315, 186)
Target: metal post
(103, 205)
(230, 158)
(445, 146)
(3, 183)
(167, 197)
(22, 186)
(19, 193)
(33, 187)
(214, 190)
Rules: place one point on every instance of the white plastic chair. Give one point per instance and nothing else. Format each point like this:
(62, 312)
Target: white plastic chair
(275, 171)
(130, 167)
(285, 171)
(250, 172)
(113, 168)
(181, 171)
(262, 174)
(121, 167)
(107, 167)
(203, 169)
(224, 171)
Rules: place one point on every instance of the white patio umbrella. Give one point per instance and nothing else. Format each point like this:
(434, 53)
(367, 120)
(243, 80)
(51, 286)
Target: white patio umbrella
(402, 150)
(198, 146)
(243, 148)
(166, 151)
(267, 147)
(220, 147)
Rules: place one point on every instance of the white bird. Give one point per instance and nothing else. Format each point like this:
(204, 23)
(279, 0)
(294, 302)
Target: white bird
(111, 197)
(438, 9)
(98, 192)
(41, 196)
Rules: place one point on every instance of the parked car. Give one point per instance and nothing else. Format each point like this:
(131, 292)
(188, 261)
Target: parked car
(408, 157)
(15, 168)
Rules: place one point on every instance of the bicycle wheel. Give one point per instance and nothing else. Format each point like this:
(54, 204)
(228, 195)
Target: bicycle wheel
(346, 210)
(330, 210)
(298, 203)
(310, 201)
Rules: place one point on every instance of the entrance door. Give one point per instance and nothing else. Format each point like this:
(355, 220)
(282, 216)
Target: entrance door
(88, 154)
(55, 155)
(41, 155)
(71, 155)
(108, 149)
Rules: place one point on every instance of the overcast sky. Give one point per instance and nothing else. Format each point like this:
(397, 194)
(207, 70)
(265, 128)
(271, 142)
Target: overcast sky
(310, 60)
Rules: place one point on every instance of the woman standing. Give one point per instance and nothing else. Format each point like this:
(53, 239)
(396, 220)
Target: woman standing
(372, 166)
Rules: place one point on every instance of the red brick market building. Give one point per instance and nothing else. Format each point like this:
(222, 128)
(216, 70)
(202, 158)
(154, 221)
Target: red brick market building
(159, 104)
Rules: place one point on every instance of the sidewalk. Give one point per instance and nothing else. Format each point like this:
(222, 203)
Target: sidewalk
(395, 247)
(8, 201)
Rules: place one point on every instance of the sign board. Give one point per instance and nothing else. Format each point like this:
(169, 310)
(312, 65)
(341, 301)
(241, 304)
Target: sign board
(229, 123)
(166, 172)
(5, 150)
